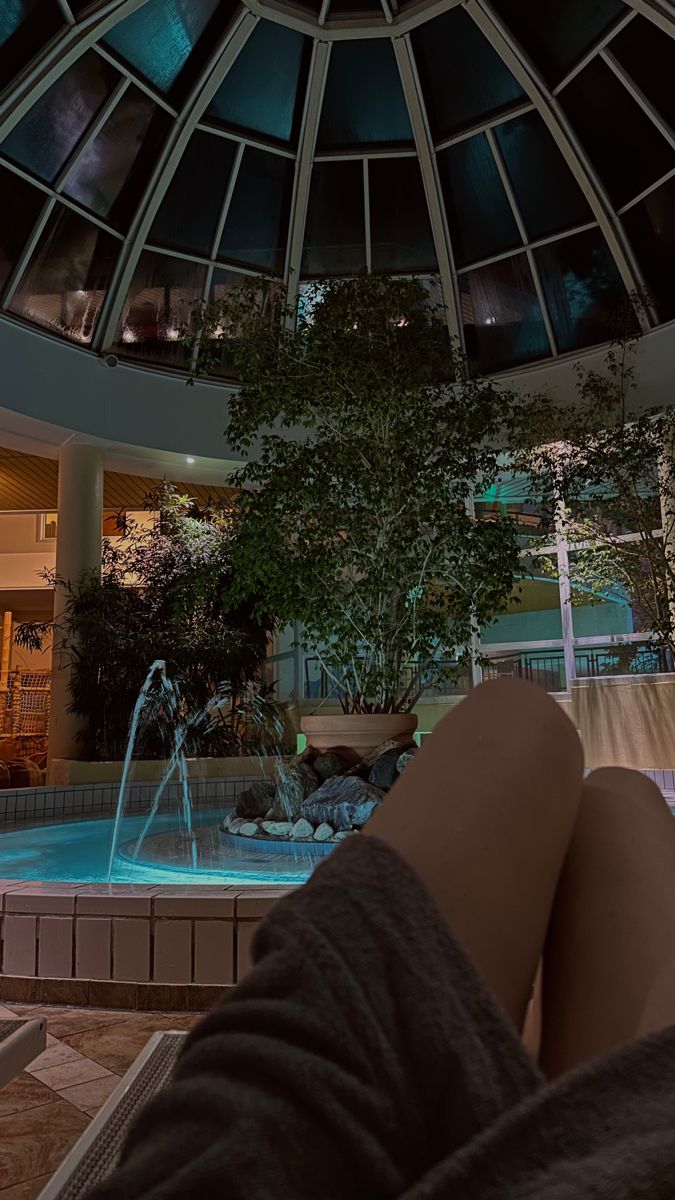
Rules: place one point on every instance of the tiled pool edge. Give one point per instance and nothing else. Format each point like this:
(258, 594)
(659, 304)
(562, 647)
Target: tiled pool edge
(73, 802)
(143, 947)
(126, 946)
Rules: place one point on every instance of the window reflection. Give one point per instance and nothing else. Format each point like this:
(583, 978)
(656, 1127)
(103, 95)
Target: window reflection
(109, 176)
(46, 137)
(66, 279)
(161, 299)
(502, 317)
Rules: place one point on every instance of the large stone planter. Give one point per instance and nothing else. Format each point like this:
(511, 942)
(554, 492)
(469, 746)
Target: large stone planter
(356, 735)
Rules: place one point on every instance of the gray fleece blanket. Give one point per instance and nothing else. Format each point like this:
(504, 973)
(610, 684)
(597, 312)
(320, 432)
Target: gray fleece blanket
(363, 1058)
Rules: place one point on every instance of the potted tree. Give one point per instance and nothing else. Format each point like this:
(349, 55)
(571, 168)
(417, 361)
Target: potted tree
(366, 435)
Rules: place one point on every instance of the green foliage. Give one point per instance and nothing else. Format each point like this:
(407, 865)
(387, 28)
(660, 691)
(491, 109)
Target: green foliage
(367, 435)
(613, 462)
(165, 592)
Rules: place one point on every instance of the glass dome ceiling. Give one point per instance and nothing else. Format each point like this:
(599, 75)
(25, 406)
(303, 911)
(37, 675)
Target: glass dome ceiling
(519, 154)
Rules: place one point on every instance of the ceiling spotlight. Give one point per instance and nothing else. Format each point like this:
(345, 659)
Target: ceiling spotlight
(189, 460)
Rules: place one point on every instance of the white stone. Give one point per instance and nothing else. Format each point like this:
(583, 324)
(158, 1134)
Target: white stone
(324, 833)
(236, 824)
(344, 833)
(248, 829)
(277, 828)
(302, 829)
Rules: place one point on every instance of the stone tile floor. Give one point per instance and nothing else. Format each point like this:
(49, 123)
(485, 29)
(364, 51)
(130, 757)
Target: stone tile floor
(46, 1108)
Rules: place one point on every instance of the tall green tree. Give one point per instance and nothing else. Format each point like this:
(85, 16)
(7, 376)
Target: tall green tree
(366, 435)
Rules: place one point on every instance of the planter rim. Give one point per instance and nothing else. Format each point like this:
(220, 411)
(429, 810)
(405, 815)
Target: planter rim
(370, 718)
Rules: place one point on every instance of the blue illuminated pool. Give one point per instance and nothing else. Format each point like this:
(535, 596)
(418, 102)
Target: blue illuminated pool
(78, 852)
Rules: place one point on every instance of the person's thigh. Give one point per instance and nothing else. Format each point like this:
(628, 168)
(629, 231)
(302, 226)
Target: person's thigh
(609, 965)
(484, 814)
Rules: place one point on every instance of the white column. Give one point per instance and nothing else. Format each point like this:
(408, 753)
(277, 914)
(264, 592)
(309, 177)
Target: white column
(476, 672)
(667, 498)
(566, 615)
(78, 552)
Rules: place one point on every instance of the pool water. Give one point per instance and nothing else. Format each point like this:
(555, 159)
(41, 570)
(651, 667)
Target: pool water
(79, 852)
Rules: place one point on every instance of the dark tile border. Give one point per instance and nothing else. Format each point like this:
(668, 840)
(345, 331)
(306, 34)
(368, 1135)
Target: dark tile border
(85, 993)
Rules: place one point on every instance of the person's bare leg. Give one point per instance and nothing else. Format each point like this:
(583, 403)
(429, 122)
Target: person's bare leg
(609, 964)
(485, 814)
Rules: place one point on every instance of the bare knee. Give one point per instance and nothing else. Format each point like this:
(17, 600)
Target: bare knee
(631, 790)
(521, 720)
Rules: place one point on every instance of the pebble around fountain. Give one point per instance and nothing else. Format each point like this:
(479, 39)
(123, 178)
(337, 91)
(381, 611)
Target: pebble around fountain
(317, 798)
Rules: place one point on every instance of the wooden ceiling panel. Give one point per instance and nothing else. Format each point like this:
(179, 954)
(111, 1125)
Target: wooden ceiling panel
(30, 483)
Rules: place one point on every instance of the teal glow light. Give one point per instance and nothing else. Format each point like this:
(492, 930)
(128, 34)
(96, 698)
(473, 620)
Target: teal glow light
(260, 91)
(158, 39)
(11, 17)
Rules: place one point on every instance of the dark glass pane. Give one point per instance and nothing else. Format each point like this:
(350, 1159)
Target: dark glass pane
(651, 228)
(21, 206)
(67, 277)
(400, 230)
(264, 89)
(548, 195)
(343, 8)
(583, 289)
(479, 214)
(189, 213)
(502, 317)
(25, 27)
(624, 146)
(335, 242)
(109, 176)
(168, 41)
(463, 78)
(160, 301)
(363, 102)
(648, 54)
(557, 33)
(50, 131)
(256, 229)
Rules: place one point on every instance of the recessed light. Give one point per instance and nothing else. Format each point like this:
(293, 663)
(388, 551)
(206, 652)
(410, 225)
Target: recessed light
(189, 460)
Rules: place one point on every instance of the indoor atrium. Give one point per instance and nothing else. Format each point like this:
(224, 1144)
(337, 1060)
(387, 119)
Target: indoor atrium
(337, 379)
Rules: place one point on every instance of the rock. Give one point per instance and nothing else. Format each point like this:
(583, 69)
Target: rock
(324, 833)
(293, 784)
(369, 759)
(227, 821)
(360, 771)
(344, 801)
(277, 828)
(248, 829)
(404, 759)
(236, 824)
(256, 800)
(329, 764)
(302, 829)
(344, 833)
(384, 773)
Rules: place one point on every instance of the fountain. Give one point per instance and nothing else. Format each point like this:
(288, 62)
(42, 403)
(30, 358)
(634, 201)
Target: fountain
(290, 818)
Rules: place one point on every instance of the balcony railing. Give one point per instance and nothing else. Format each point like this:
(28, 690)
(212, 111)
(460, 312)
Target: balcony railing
(596, 662)
(320, 686)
